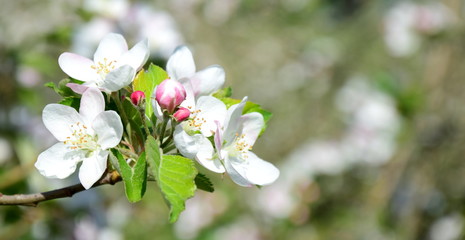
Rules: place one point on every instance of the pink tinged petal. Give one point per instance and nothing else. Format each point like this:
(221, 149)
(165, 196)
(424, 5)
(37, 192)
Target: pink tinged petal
(78, 88)
(92, 104)
(92, 168)
(58, 119)
(211, 110)
(208, 80)
(77, 67)
(118, 78)
(109, 129)
(218, 138)
(258, 171)
(236, 171)
(111, 47)
(136, 56)
(181, 64)
(185, 143)
(252, 124)
(205, 155)
(58, 161)
(232, 122)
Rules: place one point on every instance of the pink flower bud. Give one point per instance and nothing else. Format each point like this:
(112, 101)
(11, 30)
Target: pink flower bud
(137, 97)
(169, 94)
(182, 114)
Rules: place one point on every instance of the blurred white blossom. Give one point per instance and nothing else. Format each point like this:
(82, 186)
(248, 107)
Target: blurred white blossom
(404, 23)
(447, 228)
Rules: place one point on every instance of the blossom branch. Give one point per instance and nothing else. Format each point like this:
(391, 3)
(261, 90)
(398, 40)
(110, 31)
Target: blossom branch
(35, 198)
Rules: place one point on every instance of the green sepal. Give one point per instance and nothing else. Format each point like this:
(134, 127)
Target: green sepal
(174, 175)
(134, 177)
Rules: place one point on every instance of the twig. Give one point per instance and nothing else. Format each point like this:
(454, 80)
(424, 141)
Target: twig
(35, 198)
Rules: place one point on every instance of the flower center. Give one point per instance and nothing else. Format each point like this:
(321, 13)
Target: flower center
(103, 68)
(81, 139)
(194, 123)
(239, 147)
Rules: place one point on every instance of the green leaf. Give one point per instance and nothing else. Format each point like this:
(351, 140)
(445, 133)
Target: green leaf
(175, 176)
(73, 102)
(134, 177)
(146, 81)
(203, 182)
(253, 107)
(223, 93)
(230, 101)
(134, 119)
(61, 89)
(248, 108)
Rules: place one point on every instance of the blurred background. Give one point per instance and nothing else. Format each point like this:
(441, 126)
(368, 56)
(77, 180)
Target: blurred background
(368, 127)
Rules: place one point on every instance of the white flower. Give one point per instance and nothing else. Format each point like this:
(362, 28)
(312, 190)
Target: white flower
(85, 136)
(181, 67)
(191, 135)
(113, 67)
(233, 143)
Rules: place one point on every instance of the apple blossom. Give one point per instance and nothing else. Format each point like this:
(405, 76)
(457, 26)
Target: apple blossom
(85, 136)
(170, 94)
(233, 142)
(191, 135)
(181, 67)
(113, 66)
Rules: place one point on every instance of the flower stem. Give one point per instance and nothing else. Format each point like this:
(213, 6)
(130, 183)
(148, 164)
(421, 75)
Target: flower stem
(163, 127)
(144, 120)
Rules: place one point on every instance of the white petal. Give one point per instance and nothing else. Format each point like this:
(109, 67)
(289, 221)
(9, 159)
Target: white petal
(205, 154)
(77, 67)
(136, 56)
(185, 143)
(92, 168)
(58, 119)
(232, 122)
(208, 80)
(181, 64)
(118, 78)
(211, 109)
(156, 108)
(58, 161)
(236, 172)
(252, 124)
(111, 47)
(260, 172)
(92, 104)
(109, 129)
(189, 102)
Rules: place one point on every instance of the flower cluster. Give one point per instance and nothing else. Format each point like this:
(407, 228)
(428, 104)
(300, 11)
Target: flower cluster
(167, 120)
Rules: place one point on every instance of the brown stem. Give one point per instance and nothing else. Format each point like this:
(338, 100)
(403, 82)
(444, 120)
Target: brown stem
(35, 198)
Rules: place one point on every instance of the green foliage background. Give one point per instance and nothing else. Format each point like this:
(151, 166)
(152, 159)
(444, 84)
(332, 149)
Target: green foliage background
(263, 46)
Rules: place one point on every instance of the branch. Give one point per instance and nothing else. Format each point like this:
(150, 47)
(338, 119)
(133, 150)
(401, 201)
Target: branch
(35, 198)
